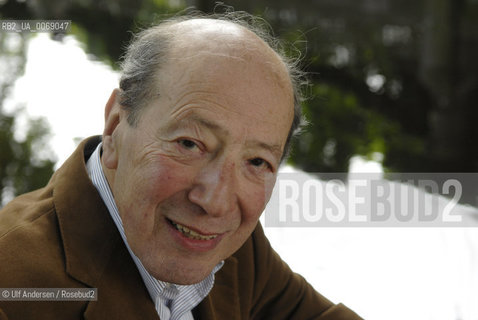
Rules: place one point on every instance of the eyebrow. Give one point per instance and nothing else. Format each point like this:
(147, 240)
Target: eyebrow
(208, 124)
(275, 149)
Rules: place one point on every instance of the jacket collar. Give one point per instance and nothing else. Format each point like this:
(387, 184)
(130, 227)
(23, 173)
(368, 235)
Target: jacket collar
(94, 251)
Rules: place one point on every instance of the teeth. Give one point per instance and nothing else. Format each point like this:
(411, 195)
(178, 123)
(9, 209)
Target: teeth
(192, 234)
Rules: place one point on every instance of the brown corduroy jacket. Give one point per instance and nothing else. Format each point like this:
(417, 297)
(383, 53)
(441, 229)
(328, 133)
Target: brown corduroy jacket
(62, 236)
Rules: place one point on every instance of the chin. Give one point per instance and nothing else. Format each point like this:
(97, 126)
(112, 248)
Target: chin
(181, 275)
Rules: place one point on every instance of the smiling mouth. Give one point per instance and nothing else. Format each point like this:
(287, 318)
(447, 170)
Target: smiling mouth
(190, 233)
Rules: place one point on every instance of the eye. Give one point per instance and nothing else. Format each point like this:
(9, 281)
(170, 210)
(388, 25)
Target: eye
(188, 149)
(187, 144)
(259, 162)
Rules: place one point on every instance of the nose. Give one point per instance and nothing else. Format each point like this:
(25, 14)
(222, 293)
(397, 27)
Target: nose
(214, 188)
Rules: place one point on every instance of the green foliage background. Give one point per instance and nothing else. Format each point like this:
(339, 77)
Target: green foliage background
(21, 167)
(390, 79)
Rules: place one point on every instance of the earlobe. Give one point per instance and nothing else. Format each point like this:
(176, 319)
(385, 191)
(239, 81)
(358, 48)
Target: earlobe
(113, 115)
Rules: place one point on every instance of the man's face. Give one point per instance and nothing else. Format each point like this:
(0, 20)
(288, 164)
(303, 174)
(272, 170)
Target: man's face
(192, 178)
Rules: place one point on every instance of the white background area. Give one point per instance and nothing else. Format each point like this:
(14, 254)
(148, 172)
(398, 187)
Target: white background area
(381, 273)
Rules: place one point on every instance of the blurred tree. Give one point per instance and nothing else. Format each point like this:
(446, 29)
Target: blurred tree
(22, 166)
(105, 26)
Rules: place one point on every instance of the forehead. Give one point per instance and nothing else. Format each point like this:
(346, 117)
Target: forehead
(226, 71)
(207, 52)
(228, 87)
(256, 86)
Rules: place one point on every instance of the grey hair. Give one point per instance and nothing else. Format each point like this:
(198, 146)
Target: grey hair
(147, 52)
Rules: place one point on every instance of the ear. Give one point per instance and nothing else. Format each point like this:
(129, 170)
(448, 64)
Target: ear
(113, 116)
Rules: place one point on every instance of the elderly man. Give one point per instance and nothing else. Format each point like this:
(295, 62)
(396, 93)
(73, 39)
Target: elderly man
(161, 214)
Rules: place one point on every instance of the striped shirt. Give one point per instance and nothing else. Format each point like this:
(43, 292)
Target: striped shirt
(172, 301)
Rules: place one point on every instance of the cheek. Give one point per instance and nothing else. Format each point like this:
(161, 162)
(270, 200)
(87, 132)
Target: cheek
(162, 179)
(145, 188)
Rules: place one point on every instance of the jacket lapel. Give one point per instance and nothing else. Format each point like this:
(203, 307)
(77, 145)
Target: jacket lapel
(121, 293)
(223, 300)
(94, 251)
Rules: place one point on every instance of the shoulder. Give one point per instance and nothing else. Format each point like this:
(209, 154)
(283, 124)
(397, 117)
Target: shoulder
(33, 256)
(30, 240)
(24, 210)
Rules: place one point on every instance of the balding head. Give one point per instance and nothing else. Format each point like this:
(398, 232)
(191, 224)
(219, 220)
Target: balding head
(199, 38)
(187, 39)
